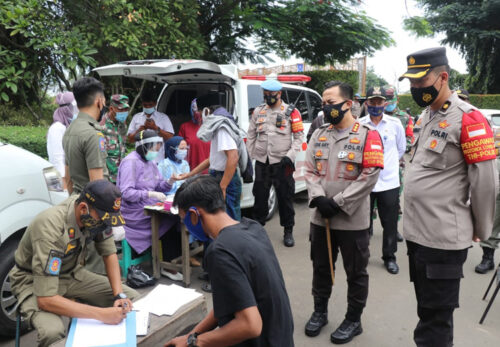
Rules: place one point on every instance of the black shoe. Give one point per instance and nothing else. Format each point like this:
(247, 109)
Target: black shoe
(391, 266)
(487, 262)
(399, 237)
(203, 276)
(346, 332)
(206, 287)
(288, 238)
(317, 321)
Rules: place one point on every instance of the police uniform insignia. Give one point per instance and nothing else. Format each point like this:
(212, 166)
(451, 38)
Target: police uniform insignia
(419, 121)
(117, 204)
(330, 127)
(282, 108)
(263, 111)
(261, 120)
(426, 97)
(349, 167)
(355, 128)
(355, 140)
(351, 156)
(319, 166)
(334, 113)
(70, 247)
(54, 263)
(322, 139)
(444, 124)
(319, 154)
(260, 127)
(446, 105)
(433, 144)
(373, 154)
(102, 144)
(342, 154)
(411, 60)
(71, 233)
(476, 130)
(476, 138)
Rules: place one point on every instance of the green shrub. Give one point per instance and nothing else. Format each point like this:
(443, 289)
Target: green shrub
(320, 77)
(491, 101)
(33, 139)
(20, 115)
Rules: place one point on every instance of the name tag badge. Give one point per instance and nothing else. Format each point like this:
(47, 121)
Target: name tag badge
(342, 154)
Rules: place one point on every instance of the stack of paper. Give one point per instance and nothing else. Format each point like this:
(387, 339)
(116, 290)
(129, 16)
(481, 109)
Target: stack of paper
(166, 299)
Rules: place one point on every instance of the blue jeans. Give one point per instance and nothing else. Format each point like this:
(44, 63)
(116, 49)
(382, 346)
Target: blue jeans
(233, 194)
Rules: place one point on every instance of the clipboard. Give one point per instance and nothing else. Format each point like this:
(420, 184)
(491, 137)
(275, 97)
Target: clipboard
(130, 326)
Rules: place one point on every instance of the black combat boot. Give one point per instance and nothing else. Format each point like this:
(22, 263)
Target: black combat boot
(487, 262)
(319, 318)
(288, 237)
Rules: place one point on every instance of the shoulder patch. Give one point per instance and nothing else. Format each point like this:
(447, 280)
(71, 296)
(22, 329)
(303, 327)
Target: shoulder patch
(476, 138)
(297, 125)
(409, 128)
(102, 144)
(355, 128)
(373, 153)
(54, 263)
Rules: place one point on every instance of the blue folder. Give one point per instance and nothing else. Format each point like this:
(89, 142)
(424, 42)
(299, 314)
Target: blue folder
(130, 327)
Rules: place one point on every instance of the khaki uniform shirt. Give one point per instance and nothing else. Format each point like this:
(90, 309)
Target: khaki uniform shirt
(266, 140)
(84, 148)
(344, 166)
(51, 251)
(452, 180)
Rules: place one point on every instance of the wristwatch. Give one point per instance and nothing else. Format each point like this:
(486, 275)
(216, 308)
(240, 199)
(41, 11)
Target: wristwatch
(120, 296)
(192, 339)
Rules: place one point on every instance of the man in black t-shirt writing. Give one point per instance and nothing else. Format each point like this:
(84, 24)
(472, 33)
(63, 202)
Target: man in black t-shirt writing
(251, 305)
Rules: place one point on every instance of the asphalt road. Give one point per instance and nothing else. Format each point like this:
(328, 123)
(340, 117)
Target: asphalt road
(390, 315)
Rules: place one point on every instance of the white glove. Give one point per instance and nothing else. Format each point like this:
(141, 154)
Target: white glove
(157, 196)
(118, 233)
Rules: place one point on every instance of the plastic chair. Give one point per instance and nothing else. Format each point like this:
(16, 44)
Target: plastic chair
(127, 260)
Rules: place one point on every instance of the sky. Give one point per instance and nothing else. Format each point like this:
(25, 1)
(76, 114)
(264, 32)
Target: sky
(390, 62)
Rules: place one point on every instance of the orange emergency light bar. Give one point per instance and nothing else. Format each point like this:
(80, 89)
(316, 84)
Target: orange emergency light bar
(281, 78)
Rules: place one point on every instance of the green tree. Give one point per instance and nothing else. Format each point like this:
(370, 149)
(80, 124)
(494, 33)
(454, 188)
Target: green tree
(51, 42)
(318, 31)
(374, 80)
(472, 27)
(457, 80)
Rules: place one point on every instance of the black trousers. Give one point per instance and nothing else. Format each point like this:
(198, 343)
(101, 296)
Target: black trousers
(355, 253)
(388, 209)
(436, 275)
(281, 177)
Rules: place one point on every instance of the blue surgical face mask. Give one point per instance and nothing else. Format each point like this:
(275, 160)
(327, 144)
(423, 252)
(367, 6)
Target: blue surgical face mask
(74, 117)
(195, 230)
(148, 110)
(390, 107)
(181, 154)
(375, 111)
(151, 155)
(121, 116)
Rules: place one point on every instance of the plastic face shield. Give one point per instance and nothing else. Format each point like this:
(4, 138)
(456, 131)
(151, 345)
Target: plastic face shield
(154, 143)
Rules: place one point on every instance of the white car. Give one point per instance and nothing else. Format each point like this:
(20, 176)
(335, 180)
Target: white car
(30, 185)
(215, 84)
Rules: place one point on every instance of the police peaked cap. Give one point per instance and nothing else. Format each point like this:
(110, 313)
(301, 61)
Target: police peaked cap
(421, 62)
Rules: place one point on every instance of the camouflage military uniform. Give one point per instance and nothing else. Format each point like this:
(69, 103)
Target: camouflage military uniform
(407, 123)
(115, 133)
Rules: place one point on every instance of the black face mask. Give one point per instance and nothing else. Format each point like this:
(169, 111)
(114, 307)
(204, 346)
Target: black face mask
(425, 96)
(271, 99)
(94, 227)
(333, 113)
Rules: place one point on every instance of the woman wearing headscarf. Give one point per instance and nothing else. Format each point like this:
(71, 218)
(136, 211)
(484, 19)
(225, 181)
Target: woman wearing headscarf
(174, 164)
(62, 116)
(199, 150)
(141, 184)
(176, 150)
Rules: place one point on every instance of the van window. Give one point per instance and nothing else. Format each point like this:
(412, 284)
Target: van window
(295, 96)
(316, 104)
(255, 96)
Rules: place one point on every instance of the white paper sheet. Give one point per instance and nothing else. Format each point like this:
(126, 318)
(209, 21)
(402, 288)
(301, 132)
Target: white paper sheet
(141, 323)
(90, 332)
(166, 299)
